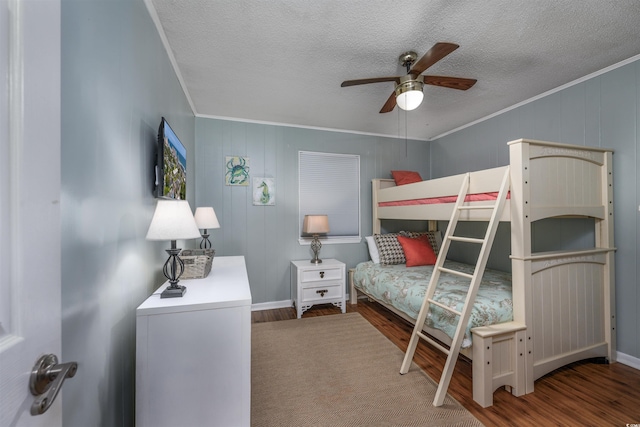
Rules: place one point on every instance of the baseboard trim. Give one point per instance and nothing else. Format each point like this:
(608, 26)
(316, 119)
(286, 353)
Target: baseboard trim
(271, 305)
(279, 304)
(625, 359)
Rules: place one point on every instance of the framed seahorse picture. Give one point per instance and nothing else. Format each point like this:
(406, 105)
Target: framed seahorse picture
(237, 170)
(264, 191)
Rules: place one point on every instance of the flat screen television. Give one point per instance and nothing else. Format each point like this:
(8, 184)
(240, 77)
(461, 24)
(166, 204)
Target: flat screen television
(171, 169)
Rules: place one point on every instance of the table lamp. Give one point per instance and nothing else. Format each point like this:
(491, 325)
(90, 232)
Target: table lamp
(206, 219)
(315, 225)
(173, 220)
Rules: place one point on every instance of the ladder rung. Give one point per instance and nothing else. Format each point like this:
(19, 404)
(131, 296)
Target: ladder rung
(467, 208)
(434, 343)
(457, 273)
(466, 239)
(445, 307)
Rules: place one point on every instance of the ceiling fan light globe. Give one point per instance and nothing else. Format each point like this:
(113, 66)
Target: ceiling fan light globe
(409, 94)
(410, 100)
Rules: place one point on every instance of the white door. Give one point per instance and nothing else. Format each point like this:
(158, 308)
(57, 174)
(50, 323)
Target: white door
(29, 203)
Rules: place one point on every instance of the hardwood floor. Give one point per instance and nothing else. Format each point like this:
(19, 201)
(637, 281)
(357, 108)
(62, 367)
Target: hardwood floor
(581, 394)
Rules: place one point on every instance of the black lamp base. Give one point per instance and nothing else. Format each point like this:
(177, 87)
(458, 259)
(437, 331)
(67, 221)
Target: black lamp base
(205, 243)
(173, 269)
(174, 292)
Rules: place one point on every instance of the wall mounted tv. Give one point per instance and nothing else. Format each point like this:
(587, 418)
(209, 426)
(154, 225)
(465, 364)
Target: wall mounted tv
(171, 170)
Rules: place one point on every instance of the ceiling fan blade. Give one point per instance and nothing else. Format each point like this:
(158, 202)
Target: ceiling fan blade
(367, 81)
(390, 104)
(450, 82)
(435, 54)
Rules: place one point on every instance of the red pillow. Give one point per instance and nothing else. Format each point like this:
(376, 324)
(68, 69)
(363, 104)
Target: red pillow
(417, 251)
(405, 177)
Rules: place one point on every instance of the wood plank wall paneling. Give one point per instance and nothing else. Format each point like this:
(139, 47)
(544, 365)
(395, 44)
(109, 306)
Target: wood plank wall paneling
(268, 235)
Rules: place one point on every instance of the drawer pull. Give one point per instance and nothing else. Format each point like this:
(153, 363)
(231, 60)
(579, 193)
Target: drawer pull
(322, 292)
(322, 274)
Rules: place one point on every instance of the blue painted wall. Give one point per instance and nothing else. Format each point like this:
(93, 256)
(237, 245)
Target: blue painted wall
(603, 111)
(268, 235)
(117, 83)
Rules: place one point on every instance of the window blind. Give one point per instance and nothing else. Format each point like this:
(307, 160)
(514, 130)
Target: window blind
(330, 184)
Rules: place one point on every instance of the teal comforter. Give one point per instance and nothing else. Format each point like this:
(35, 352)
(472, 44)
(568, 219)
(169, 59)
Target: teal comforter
(404, 288)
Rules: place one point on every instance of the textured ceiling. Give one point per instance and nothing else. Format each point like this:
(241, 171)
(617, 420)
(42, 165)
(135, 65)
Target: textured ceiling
(282, 61)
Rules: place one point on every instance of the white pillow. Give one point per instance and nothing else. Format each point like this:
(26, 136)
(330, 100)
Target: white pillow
(373, 249)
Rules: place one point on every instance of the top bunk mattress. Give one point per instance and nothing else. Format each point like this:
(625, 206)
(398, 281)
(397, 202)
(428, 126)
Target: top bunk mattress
(404, 288)
(446, 199)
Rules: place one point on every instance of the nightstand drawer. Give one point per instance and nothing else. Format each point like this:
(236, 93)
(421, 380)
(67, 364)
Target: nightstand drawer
(323, 291)
(331, 273)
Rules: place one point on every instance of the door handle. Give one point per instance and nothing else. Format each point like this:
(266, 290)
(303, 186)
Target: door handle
(46, 380)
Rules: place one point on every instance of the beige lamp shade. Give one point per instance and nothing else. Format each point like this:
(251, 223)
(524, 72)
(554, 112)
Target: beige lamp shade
(315, 224)
(206, 218)
(172, 220)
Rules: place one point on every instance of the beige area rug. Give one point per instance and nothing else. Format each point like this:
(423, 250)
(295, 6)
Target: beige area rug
(339, 370)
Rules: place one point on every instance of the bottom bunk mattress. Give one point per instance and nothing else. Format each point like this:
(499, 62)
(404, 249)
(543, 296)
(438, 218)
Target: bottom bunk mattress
(404, 288)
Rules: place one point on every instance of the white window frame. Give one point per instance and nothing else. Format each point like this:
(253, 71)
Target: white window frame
(310, 179)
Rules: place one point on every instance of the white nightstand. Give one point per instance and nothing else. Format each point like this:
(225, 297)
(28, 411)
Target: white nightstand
(317, 284)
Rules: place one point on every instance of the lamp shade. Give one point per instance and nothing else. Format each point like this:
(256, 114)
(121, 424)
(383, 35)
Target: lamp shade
(315, 224)
(206, 218)
(172, 220)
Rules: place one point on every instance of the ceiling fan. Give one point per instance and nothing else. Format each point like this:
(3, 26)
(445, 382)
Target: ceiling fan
(408, 92)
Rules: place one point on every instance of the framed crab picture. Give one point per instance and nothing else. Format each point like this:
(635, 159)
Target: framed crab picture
(237, 170)
(264, 192)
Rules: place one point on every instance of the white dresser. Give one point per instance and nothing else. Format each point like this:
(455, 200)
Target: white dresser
(193, 354)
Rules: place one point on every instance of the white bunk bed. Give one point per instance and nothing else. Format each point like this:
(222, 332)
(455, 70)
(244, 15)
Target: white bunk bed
(563, 302)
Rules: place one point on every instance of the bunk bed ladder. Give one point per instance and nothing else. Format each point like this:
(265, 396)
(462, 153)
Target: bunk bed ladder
(475, 279)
